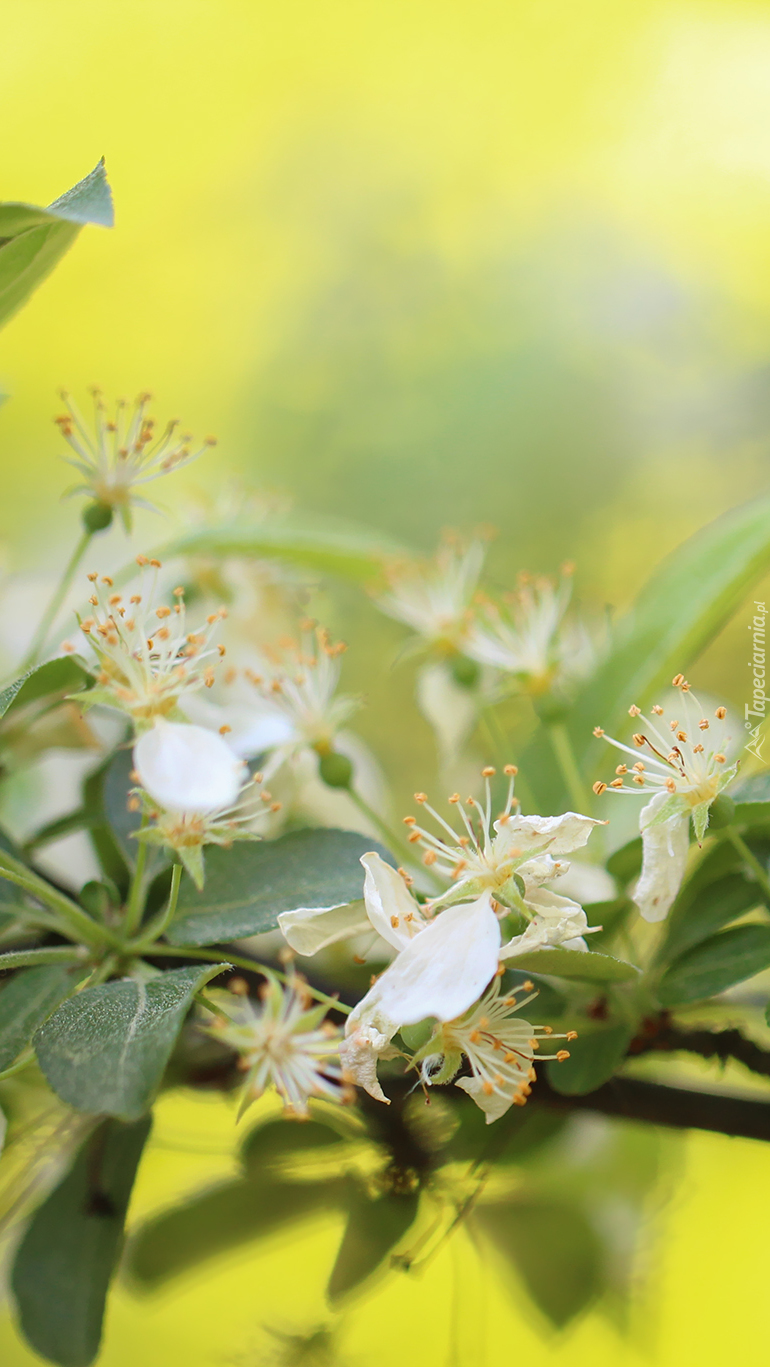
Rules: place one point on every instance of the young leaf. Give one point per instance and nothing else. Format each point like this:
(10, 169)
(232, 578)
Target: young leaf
(626, 863)
(329, 545)
(372, 1232)
(593, 1058)
(575, 963)
(105, 1050)
(249, 885)
(62, 675)
(27, 1001)
(219, 1220)
(716, 964)
(697, 918)
(552, 1247)
(66, 1259)
(32, 240)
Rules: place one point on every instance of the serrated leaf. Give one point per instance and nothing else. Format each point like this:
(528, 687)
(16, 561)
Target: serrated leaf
(62, 675)
(716, 964)
(575, 963)
(216, 1221)
(329, 545)
(712, 907)
(593, 1058)
(27, 1001)
(33, 239)
(373, 1230)
(66, 1259)
(105, 1050)
(552, 1247)
(682, 608)
(249, 885)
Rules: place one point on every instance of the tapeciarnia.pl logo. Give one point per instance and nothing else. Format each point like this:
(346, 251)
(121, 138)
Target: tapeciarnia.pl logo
(757, 707)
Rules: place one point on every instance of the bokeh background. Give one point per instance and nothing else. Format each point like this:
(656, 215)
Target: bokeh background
(417, 264)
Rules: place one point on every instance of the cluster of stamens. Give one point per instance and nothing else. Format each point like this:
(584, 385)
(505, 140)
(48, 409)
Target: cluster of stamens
(147, 656)
(499, 1048)
(124, 450)
(303, 683)
(676, 760)
(474, 851)
(183, 830)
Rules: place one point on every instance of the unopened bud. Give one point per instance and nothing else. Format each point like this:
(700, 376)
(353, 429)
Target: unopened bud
(96, 517)
(336, 770)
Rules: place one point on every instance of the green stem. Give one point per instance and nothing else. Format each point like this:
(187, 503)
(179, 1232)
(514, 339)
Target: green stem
(78, 925)
(500, 742)
(751, 859)
(251, 966)
(54, 954)
(390, 836)
(52, 611)
(136, 895)
(160, 923)
(565, 756)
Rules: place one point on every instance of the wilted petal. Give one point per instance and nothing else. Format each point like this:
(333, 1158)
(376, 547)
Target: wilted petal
(308, 929)
(557, 922)
(664, 845)
(187, 768)
(445, 968)
(556, 834)
(368, 1033)
(494, 1104)
(391, 908)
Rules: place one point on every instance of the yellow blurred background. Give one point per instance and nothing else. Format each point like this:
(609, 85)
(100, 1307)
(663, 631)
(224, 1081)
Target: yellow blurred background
(417, 264)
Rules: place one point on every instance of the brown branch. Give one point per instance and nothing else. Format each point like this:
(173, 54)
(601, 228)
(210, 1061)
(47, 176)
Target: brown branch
(722, 1044)
(676, 1107)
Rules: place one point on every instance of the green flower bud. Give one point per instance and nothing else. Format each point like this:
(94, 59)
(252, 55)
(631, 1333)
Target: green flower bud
(465, 672)
(336, 770)
(97, 517)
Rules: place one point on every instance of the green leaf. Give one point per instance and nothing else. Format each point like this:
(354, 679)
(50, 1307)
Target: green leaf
(105, 1050)
(275, 1140)
(681, 609)
(575, 963)
(372, 1232)
(32, 240)
(66, 1259)
(593, 1058)
(552, 1247)
(329, 545)
(712, 907)
(62, 675)
(249, 885)
(716, 964)
(219, 1220)
(27, 1001)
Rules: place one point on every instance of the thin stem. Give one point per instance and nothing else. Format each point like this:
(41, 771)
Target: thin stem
(390, 836)
(500, 742)
(55, 954)
(52, 611)
(160, 924)
(565, 757)
(251, 966)
(751, 859)
(136, 895)
(78, 925)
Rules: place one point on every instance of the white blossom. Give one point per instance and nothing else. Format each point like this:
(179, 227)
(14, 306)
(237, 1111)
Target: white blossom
(123, 452)
(682, 768)
(499, 1046)
(185, 768)
(148, 658)
(284, 1042)
(434, 597)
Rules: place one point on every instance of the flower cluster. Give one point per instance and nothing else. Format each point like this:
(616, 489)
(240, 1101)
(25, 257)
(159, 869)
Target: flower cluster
(434, 597)
(300, 684)
(681, 765)
(284, 1042)
(122, 453)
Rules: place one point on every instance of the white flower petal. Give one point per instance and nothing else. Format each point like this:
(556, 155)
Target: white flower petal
(587, 883)
(445, 968)
(665, 846)
(308, 929)
(557, 921)
(557, 834)
(187, 768)
(388, 900)
(493, 1104)
(368, 1033)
